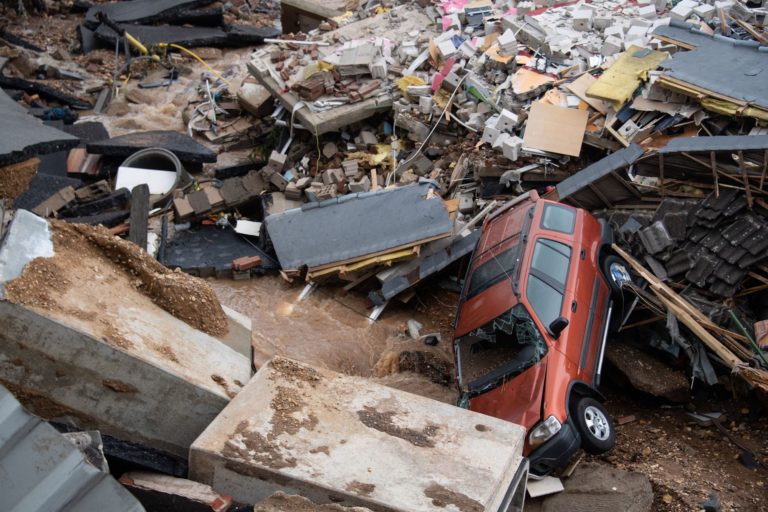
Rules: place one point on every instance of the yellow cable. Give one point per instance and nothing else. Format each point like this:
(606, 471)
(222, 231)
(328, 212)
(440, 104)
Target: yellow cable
(196, 57)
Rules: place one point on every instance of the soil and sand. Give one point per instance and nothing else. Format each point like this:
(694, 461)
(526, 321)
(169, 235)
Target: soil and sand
(45, 281)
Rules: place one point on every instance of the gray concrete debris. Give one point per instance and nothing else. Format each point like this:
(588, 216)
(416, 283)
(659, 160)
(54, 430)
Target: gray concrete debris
(597, 487)
(28, 237)
(249, 452)
(43, 470)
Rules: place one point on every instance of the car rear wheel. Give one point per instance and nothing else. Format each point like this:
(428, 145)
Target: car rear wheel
(617, 272)
(595, 426)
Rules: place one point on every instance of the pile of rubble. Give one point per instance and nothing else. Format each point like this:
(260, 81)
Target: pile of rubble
(365, 148)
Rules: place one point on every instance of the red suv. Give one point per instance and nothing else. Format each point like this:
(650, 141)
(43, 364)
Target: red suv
(532, 325)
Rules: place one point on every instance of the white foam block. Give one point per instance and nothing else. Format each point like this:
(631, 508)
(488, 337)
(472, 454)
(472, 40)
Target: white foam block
(160, 182)
(248, 227)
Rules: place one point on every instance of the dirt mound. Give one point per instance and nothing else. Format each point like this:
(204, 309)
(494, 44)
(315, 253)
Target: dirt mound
(187, 298)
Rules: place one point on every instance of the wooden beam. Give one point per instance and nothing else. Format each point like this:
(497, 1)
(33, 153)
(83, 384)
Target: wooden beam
(714, 173)
(661, 175)
(765, 170)
(745, 178)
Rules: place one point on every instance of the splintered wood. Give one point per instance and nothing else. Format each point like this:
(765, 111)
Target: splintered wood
(699, 324)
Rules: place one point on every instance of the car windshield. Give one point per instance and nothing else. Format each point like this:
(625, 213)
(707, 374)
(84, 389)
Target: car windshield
(499, 350)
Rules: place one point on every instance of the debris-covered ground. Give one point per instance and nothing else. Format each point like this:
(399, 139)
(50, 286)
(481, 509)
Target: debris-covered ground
(324, 170)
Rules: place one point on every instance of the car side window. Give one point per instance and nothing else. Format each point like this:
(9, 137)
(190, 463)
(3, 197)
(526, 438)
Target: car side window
(547, 277)
(558, 218)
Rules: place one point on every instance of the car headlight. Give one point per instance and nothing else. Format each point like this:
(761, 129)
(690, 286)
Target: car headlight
(544, 431)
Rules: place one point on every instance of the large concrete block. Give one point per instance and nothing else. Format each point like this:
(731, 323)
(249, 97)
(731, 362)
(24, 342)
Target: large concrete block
(129, 392)
(341, 439)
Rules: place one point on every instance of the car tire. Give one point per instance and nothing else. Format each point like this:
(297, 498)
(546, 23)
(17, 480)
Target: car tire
(595, 426)
(613, 266)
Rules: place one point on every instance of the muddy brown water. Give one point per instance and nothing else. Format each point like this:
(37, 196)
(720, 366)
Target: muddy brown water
(330, 330)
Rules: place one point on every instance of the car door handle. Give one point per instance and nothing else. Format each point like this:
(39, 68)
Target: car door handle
(573, 306)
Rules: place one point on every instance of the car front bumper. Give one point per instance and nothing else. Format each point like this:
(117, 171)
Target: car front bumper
(555, 452)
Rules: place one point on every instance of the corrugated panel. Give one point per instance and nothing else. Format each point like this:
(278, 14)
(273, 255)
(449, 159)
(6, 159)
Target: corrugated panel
(40, 470)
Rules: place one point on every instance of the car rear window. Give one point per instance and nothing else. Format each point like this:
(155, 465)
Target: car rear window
(558, 218)
(492, 271)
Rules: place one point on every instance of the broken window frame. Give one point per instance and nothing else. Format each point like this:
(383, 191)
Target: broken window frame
(503, 373)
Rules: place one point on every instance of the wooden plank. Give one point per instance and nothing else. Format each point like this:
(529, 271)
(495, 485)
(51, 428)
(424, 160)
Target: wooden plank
(714, 173)
(744, 176)
(137, 231)
(669, 296)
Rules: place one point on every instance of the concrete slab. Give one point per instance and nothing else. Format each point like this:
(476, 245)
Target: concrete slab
(339, 439)
(28, 237)
(83, 340)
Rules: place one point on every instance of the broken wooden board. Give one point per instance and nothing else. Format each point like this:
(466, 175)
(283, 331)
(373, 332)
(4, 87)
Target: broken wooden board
(181, 145)
(579, 88)
(555, 129)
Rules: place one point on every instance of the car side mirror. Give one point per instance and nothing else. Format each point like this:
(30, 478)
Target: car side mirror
(557, 326)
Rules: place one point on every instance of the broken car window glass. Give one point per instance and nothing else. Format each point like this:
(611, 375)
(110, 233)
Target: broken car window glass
(492, 271)
(500, 349)
(558, 218)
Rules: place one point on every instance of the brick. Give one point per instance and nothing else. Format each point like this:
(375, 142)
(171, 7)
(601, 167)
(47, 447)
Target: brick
(303, 183)
(507, 120)
(214, 197)
(582, 20)
(611, 46)
(234, 192)
(292, 191)
(199, 202)
(350, 168)
(56, 202)
(182, 208)
(93, 191)
(704, 11)
(253, 183)
(647, 11)
(279, 181)
(511, 148)
(246, 262)
(277, 160)
(364, 185)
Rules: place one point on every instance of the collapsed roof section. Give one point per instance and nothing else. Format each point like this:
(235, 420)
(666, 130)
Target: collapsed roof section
(735, 79)
(23, 136)
(403, 217)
